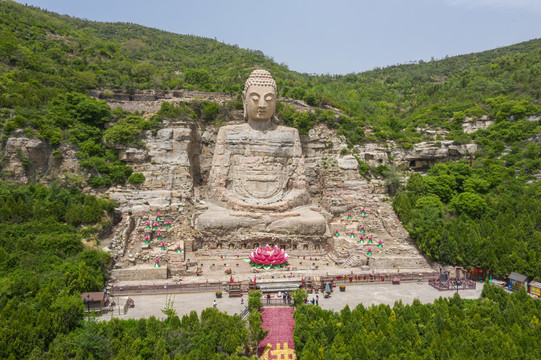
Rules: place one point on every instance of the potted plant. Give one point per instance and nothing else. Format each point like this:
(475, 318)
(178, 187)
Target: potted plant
(218, 294)
(342, 288)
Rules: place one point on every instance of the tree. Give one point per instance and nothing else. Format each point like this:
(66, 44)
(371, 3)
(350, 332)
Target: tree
(257, 333)
(254, 300)
(470, 204)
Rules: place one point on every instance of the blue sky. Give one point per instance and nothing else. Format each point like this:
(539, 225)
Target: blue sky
(333, 36)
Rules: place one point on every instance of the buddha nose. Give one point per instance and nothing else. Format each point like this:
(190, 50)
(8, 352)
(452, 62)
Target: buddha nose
(262, 103)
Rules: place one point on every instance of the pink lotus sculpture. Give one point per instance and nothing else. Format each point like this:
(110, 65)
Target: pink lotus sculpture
(268, 257)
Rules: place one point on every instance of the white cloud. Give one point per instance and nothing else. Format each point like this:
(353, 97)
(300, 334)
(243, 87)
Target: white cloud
(530, 5)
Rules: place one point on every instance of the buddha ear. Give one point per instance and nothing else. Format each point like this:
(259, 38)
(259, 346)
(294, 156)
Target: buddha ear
(244, 105)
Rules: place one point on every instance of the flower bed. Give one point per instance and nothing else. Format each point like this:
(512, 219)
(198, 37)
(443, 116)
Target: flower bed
(278, 344)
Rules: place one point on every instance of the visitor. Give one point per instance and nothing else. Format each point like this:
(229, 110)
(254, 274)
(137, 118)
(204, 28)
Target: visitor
(284, 298)
(317, 299)
(279, 295)
(268, 298)
(312, 301)
(214, 305)
(241, 299)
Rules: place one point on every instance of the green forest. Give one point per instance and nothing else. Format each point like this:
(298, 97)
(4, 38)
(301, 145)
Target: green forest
(45, 266)
(484, 213)
(496, 326)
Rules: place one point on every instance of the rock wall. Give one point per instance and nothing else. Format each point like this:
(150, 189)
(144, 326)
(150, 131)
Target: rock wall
(170, 163)
(176, 163)
(140, 273)
(26, 158)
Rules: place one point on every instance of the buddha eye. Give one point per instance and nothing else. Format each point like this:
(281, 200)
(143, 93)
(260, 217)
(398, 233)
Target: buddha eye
(268, 98)
(255, 98)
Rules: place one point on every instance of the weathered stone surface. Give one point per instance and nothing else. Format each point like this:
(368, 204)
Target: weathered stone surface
(425, 154)
(348, 162)
(170, 165)
(470, 125)
(221, 221)
(26, 158)
(140, 273)
(258, 167)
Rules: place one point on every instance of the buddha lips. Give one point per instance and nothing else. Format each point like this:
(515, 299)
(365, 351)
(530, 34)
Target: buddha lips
(268, 257)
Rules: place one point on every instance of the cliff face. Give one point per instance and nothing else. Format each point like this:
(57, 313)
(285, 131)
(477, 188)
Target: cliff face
(177, 160)
(176, 163)
(170, 163)
(25, 158)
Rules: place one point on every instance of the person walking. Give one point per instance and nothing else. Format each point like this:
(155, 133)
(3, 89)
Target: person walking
(268, 299)
(317, 299)
(214, 305)
(241, 299)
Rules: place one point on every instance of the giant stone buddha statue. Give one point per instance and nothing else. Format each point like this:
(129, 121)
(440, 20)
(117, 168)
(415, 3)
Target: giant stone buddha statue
(257, 181)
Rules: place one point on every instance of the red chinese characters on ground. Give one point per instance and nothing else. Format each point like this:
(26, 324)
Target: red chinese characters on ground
(279, 341)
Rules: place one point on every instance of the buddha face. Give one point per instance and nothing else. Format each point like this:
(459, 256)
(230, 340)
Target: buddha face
(260, 103)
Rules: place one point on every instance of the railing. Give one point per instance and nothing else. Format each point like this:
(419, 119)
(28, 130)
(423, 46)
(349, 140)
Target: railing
(245, 312)
(165, 289)
(215, 286)
(380, 277)
(276, 302)
(451, 286)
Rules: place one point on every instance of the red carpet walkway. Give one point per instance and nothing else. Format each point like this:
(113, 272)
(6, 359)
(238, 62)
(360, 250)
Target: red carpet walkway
(279, 341)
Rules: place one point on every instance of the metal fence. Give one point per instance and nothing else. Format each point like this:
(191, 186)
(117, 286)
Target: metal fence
(360, 278)
(166, 288)
(276, 302)
(381, 277)
(451, 285)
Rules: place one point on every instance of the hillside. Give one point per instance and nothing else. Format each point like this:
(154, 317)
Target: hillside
(44, 54)
(58, 143)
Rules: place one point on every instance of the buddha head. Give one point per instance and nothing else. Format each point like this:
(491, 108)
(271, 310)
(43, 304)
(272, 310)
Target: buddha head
(259, 97)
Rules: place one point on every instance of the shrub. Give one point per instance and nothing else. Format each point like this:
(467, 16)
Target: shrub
(470, 204)
(210, 111)
(254, 300)
(136, 178)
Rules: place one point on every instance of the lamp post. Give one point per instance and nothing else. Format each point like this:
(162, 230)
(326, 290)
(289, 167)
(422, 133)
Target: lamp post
(87, 302)
(457, 283)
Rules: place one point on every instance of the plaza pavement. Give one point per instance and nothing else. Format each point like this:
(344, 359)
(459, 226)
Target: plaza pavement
(184, 303)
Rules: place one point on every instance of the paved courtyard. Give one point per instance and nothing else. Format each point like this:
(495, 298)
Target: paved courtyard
(184, 303)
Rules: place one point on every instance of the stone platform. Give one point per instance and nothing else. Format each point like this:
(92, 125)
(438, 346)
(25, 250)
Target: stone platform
(142, 272)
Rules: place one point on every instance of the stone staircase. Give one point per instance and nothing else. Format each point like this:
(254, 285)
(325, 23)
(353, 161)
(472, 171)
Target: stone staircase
(352, 261)
(176, 262)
